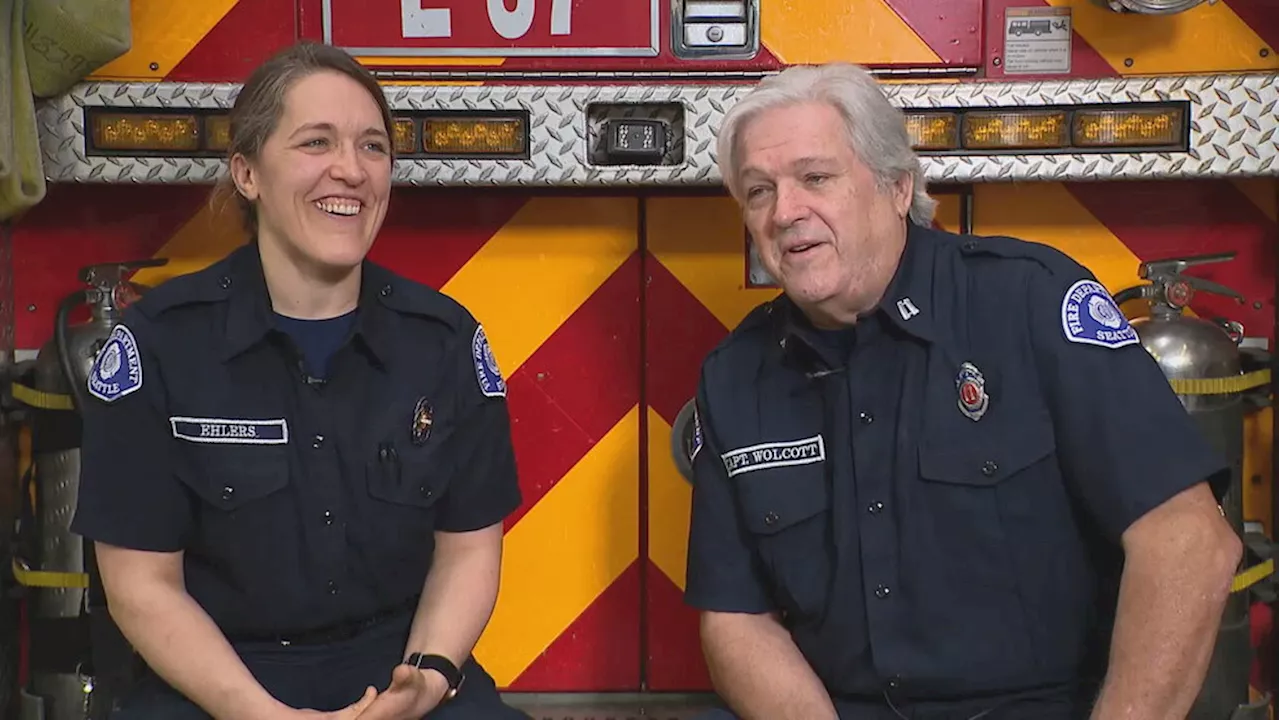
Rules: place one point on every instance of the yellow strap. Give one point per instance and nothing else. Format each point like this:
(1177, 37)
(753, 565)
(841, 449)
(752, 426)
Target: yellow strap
(1252, 576)
(39, 399)
(47, 579)
(1220, 386)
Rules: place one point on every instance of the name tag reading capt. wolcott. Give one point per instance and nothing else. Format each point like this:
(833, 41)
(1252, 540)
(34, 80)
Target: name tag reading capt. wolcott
(231, 431)
(774, 454)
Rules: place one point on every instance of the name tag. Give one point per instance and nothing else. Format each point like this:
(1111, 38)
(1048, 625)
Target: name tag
(232, 431)
(774, 454)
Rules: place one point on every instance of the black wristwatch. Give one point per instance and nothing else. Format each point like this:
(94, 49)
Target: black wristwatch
(442, 665)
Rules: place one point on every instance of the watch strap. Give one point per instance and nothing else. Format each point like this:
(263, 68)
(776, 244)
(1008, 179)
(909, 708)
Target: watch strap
(441, 664)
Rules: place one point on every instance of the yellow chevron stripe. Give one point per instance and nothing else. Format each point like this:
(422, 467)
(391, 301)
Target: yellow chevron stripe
(1207, 38)
(1047, 213)
(538, 269)
(948, 212)
(575, 542)
(701, 240)
(1261, 192)
(209, 235)
(669, 499)
(862, 31)
(164, 31)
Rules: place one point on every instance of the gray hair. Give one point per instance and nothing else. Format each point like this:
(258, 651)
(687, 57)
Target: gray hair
(877, 130)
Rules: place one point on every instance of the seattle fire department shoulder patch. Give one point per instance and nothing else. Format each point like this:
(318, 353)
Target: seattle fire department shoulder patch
(487, 372)
(117, 371)
(1091, 317)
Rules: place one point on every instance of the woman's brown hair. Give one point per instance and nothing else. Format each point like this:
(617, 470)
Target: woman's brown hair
(260, 103)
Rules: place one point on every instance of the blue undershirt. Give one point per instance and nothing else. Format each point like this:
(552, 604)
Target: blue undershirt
(317, 340)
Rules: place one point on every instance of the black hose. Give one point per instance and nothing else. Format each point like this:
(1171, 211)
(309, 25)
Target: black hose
(1128, 294)
(78, 394)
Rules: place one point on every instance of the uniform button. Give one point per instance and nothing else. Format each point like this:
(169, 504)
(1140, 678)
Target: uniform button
(866, 418)
(770, 518)
(875, 507)
(224, 282)
(333, 588)
(317, 442)
(894, 683)
(228, 492)
(328, 518)
(386, 291)
(426, 491)
(882, 591)
(970, 245)
(989, 468)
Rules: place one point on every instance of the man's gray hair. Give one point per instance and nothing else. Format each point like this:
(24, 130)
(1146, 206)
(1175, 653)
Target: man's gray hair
(877, 130)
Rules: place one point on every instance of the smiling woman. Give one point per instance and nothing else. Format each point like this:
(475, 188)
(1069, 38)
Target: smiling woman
(318, 528)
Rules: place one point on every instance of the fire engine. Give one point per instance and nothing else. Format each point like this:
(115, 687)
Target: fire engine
(556, 175)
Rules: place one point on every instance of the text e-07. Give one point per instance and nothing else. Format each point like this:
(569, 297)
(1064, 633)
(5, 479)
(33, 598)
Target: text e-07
(420, 22)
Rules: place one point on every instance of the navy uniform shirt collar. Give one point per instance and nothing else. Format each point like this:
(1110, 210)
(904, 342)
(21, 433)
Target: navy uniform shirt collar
(907, 303)
(250, 317)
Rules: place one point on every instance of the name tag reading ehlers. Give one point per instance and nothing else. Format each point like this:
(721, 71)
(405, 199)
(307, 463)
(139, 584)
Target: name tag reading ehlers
(232, 431)
(774, 454)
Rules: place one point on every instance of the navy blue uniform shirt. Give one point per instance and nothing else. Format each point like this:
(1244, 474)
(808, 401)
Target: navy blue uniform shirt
(300, 502)
(933, 500)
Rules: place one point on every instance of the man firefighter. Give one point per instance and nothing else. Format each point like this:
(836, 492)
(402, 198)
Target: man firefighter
(938, 477)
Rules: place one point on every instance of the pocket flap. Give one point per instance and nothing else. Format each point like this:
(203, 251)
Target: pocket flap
(776, 499)
(227, 477)
(417, 481)
(989, 457)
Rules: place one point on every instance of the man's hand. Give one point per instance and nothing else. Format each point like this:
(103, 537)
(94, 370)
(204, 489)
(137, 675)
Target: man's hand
(350, 712)
(412, 694)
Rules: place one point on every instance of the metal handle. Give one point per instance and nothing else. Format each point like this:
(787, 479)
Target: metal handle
(108, 275)
(1176, 265)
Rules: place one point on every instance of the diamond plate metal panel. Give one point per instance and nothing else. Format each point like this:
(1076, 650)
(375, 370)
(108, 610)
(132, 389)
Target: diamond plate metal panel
(1233, 131)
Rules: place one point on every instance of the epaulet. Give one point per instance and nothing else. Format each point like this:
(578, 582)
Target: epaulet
(1049, 257)
(760, 318)
(410, 297)
(201, 286)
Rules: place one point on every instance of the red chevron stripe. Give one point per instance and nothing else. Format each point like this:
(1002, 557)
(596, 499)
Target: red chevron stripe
(577, 385)
(679, 334)
(953, 30)
(79, 225)
(674, 658)
(1191, 217)
(599, 651)
(250, 32)
(1262, 16)
(429, 234)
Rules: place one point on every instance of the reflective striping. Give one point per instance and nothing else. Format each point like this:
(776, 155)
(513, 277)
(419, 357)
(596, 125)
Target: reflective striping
(207, 237)
(669, 505)
(555, 250)
(1047, 213)
(863, 31)
(163, 33)
(565, 552)
(1207, 38)
(702, 242)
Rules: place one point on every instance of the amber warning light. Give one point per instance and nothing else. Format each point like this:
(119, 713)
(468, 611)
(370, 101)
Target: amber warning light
(1048, 130)
(202, 133)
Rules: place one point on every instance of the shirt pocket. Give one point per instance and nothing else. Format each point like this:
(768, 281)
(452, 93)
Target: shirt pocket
(786, 510)
(406, 485)
(988, 455)
(241, 519)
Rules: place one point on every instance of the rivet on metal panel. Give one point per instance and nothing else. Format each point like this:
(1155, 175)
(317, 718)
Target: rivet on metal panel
(1128, 62)
(1264, 52)
(997, 62)
(154, 66)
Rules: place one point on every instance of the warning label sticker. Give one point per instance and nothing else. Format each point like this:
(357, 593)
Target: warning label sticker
(1037, 40)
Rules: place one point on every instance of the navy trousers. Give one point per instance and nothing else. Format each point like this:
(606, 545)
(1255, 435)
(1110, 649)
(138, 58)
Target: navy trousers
(325, 677)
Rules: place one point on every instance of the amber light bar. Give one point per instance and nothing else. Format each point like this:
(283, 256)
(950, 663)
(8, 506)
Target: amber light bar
(142, 132)
(1047, 130)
